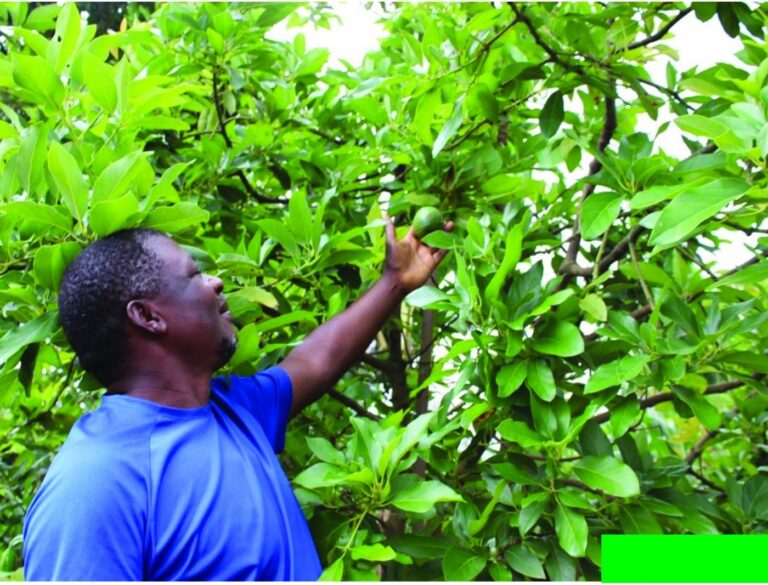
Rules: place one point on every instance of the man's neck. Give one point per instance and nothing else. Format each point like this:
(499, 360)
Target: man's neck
(165, 382)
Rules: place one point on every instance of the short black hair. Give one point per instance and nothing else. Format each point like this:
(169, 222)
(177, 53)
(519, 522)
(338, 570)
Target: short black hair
(95, 289)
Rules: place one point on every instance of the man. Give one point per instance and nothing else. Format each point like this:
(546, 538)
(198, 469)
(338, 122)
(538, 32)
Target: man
(175, 475)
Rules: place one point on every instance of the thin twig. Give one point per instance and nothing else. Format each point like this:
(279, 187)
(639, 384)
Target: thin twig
(223, 131)
(349, 403)
(553, 55)
(656, 36)
(652, 401)
(643, 284)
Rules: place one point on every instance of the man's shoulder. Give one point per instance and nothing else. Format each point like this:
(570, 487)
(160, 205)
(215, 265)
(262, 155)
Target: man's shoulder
(106, 439)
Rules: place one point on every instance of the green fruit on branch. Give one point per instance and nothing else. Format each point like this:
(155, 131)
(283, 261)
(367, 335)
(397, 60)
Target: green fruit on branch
(426, 221)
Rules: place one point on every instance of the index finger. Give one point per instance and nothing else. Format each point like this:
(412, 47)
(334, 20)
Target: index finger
(390, 226)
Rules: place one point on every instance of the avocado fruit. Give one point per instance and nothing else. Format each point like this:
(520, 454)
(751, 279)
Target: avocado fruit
(426, 221)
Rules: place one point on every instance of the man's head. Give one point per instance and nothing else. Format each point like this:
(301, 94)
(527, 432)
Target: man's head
(136, 289)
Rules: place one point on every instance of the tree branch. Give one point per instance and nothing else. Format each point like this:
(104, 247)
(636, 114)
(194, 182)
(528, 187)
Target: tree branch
(656, 36)
(642, 312)
(223, 131)
(615, 254)
(553, 56)
(652, 401)
(609, 127)
(349, 403)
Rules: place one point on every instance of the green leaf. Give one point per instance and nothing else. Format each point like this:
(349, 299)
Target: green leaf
(520, 433)
(559, 566)
(68, 26)
(659, 193)
(419, 547)
(441, 239)
(524, 562)
(510, 186)
(530, 515)
(372, 552)
(450, 128)
(31, 157)
(709, 416)
(100, 80)
(637, 520)
(689, 209)
(754, 497)
(109, 216)
(594, 306)
(728, 19)
(38, 212)
(51, 262)
(608, 474)
(334, 571)
(499, 572)
(616, 372)
(599, 212)
(512, 252)
(38, 78)
(754, 274)
(38, 329)
(117, 178)
(623, 415)
(300, 217)
(460, 564)
(702, 126)
(558, 338)
(510, 377)
(551, 115)
(540, 379)
(321, 475)
(176, 218)
(164, 189)
(422, 496)
(426, 296)
(276, 230)
(69, 180)
(571, 528)
(325, 451)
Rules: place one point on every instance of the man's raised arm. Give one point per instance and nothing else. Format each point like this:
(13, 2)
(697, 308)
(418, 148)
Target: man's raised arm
(330, 350)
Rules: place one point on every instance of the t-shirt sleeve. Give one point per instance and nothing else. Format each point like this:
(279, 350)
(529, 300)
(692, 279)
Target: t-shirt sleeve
(86, 523)
(267, 396)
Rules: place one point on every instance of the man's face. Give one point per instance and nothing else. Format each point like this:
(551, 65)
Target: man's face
(192, 304)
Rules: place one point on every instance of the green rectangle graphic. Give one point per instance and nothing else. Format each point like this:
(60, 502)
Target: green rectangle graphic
(683, 558)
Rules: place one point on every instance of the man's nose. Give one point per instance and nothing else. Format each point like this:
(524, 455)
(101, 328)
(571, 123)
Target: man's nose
(216, 283)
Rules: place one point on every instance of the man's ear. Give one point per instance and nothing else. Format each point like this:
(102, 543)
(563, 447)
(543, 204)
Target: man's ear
(144, 315)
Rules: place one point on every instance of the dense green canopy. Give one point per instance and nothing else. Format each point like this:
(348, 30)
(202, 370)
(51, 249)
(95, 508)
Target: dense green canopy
(586, 361)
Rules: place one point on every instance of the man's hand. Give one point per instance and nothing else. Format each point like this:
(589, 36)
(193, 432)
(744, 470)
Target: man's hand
(319, 361)
(410, 261)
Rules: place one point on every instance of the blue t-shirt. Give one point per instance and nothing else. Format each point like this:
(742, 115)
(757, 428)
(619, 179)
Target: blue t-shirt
(144, 491)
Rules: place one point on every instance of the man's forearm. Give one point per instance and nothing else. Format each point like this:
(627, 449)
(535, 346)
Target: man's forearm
(331, 349)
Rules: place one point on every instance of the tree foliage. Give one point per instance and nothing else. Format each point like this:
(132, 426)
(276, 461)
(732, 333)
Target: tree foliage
(580, 365)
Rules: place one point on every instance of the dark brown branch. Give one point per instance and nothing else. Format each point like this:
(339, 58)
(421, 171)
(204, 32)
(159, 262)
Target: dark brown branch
(652, 401)
(378, 363)
(437, 335)
(425, 370)
(609, 127)
(643, 312)
(705, 481)
(349, 403)
(615, 254)
(670, 92)
(577, 484)
(698, 448)
(223, 131)
(657, 35)
(553, 56)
